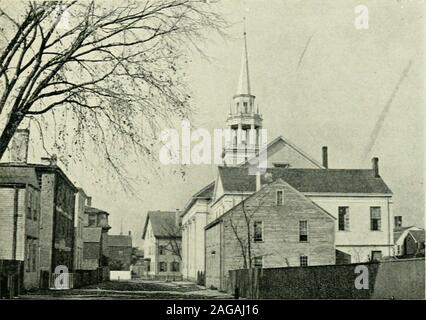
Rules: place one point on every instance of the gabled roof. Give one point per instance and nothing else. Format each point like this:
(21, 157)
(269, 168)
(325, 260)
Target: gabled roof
(92, 234)
(273, 147)
(119, 241)
(402, 232)
(350, 181)
(418, 235)
(205, 193)
(263, 188)
(163, 224)
(18, 175)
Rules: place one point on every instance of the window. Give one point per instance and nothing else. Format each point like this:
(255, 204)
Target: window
(376, 255)
(29, 205)
(35, 207)
(245, 107)
(279, 197)
(398, 250)
(398, 221)
(258, 262)
(343, 218)
(258, 231)
(303, 261)
(34, 257)
(28, 256)
(174, 266)
(163, 266)
(161, 250)
(92, 219)
(375, 218)
(303, 230)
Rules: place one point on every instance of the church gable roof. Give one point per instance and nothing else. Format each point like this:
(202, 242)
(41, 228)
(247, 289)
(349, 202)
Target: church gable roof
(277, 145)
(308, 180)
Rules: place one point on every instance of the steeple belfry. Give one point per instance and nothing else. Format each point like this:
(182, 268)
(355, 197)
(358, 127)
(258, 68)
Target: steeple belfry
(244, 119)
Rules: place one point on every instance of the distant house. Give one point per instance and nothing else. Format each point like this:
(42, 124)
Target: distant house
(92, 248)
(120, 252)
(19, 225)
(162, 246)
(414, 244)
(285, 228)
(95, 237)
(400, 235)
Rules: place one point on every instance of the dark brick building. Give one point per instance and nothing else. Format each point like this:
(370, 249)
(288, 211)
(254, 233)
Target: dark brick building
(57, 203)
(120, 252)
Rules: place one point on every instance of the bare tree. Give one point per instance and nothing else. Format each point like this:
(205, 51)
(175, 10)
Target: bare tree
(173, 239)
(110, 74)
(244, 232)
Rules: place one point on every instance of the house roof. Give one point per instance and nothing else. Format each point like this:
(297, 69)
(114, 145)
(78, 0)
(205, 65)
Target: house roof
(418, 235)
(163, 224)
(119, 241)
(18, 175)
(237, 179)
(204, 193)
(94, 210)
(42, 168)
(92, 234)
(278, 181)
(402, 232)
(271, 149)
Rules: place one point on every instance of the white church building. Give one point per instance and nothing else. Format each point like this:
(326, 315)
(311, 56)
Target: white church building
(358, 199)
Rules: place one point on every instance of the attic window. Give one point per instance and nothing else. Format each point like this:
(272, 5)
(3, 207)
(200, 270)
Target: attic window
(281, 164)
(280, 199)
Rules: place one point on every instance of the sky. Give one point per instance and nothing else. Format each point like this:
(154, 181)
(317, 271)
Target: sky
(318, 81)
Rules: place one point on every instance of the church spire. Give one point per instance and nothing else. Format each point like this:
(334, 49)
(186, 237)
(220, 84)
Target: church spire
(244, 119)
(244, 81)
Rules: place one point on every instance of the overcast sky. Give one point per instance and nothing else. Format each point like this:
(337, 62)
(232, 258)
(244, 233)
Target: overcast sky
(318, 81)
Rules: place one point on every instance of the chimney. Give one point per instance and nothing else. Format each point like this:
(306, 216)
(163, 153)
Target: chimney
(325, 157)
(89, 201)
(19, 146)
(375, 162)
(177, 218)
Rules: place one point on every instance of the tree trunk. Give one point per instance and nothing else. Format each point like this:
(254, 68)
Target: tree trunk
(8, 132)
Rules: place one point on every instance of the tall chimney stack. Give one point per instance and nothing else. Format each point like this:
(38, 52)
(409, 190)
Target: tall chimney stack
(375, 163)
(19, 146)
(325, 157)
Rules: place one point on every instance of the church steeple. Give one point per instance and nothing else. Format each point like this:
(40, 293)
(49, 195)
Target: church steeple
(244, 81)
(244, 119)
